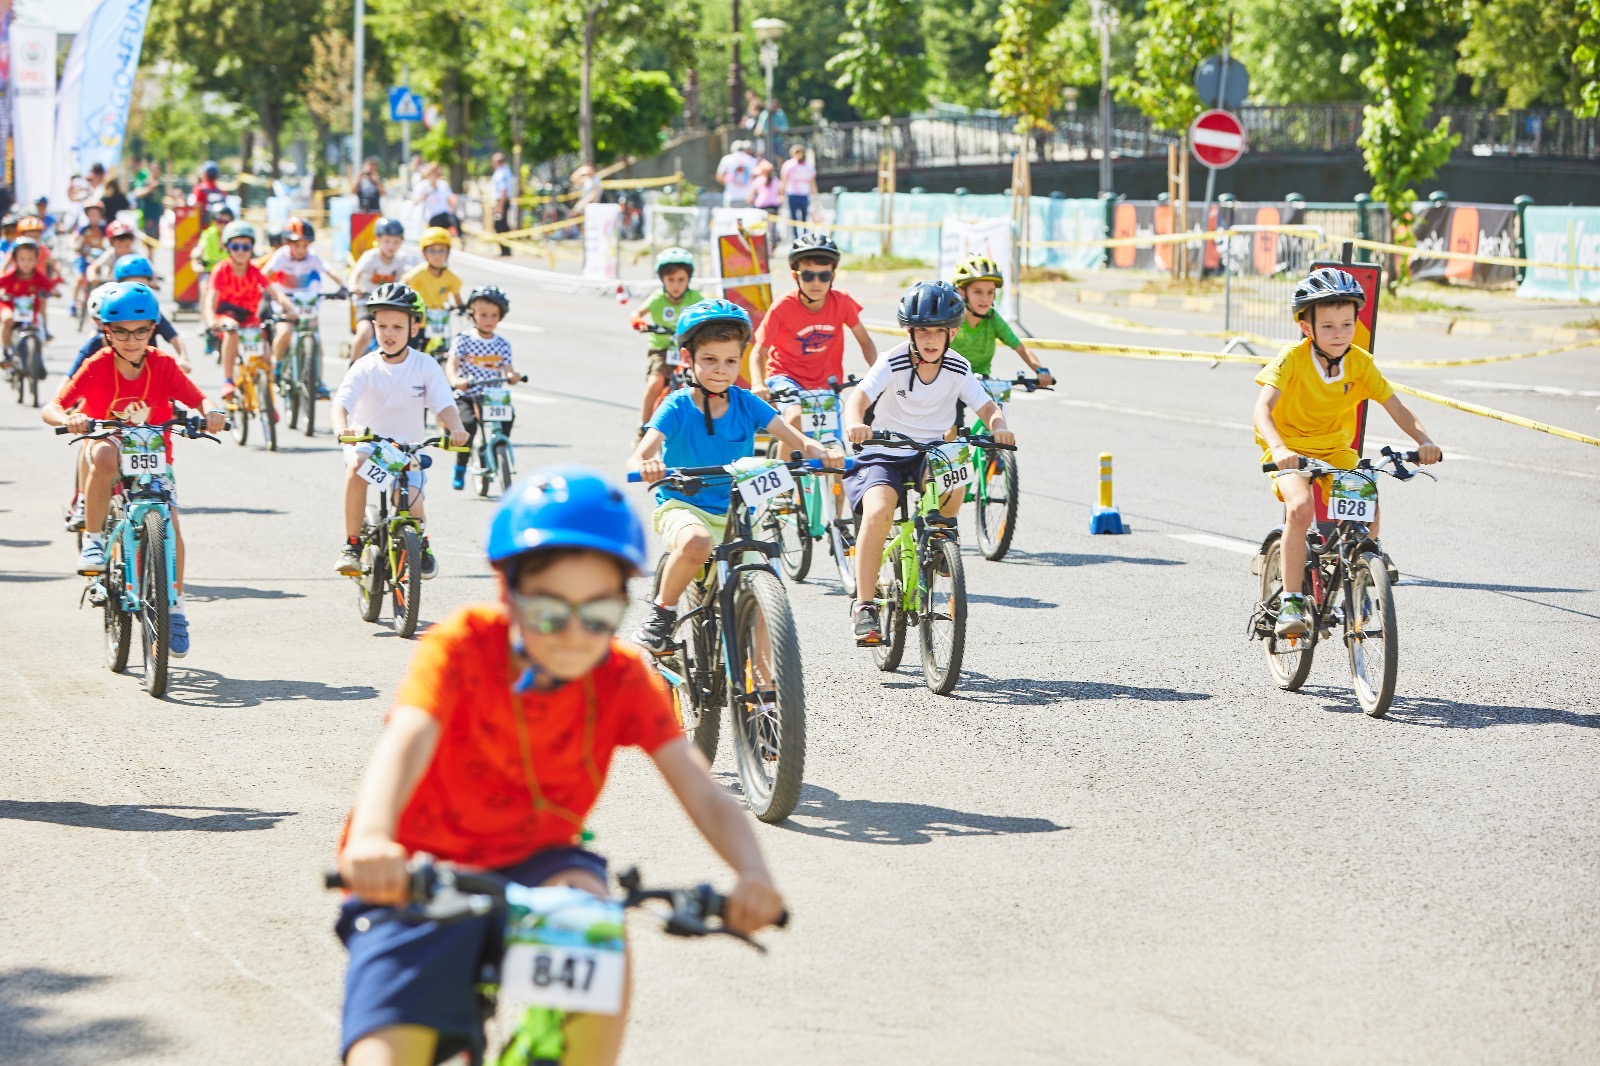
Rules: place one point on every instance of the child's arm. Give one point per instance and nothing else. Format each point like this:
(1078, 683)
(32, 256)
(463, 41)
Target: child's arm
(994, 416)
(1428, 452)
(869, 351)
(798, 443)
(646, 457)
(452, 366)
(1281, 453)
(281, 298)
(373, 863)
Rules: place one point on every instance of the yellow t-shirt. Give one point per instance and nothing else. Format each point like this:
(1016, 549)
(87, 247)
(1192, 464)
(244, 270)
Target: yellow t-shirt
(1315, 416)
(431, 288)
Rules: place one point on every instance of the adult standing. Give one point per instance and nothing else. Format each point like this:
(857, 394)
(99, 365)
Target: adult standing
(116, 201)
(147, 197)
(771, 125)
(799, 182)
(735, 173)
(368, 187)
(503, 187)
(438, 200)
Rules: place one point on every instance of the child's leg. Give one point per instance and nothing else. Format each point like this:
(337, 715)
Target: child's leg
(230, 353)
(1298, 512)
(469, 421)
(280, 340)
(691, 549)
(396, 1045)
(655, 385)
(363, 339)
(355, 497)
(877, 515)
(7, 320)
(595, 1038)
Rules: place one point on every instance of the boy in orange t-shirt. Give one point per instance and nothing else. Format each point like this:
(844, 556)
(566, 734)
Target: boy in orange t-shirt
(494, 755)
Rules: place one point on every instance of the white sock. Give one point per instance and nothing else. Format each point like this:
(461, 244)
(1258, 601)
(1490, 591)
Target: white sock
(180, 607)
(663, 604)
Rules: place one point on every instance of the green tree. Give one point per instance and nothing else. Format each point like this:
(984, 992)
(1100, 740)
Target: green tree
(802, 75)
(1586, 60)
(1024, 66)
(439, 42)
(176, 124)
(1520, 52)
(961, 34)
(1296, 53)
(1174, 36)
(881, 59)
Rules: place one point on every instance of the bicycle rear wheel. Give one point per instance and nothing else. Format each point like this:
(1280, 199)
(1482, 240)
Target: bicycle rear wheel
(943, 628)
(1371, 635)
(891, 615)
(30, 357)
(841, 544)
(291, 384)
(243, 413)
(374, 569)
(783, 520)
(268, 410)
(996, 494)
(118, 622)
(407, 590)
(1290, 667)
(311, 383)
(767, 702)
(502, 465)
(154, 617)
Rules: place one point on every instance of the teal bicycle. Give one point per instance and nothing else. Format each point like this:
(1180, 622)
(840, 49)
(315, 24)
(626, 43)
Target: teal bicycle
(995, 484)
(141, 555)
(495, 412)
(815, 509)
(300, 373)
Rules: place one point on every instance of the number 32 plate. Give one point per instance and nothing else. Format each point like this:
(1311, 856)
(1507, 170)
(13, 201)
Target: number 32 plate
(564, 950)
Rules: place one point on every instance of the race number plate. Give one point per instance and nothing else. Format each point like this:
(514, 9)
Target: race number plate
(306, 302)
(950, 466)
(999, 389)
(564, 949)
(496, 405)
(144, 451)
(761, 479)
(382, 466)
(24, 309)
(251, 344)
(1353, 499)
(438, 323)
(819, 414)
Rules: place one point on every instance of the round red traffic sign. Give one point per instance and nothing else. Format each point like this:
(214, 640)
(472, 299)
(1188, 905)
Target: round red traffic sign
(1217, 139)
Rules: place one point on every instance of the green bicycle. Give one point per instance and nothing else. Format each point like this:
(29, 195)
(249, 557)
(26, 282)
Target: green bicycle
(995, 484)
(814, 510)
(921, 582)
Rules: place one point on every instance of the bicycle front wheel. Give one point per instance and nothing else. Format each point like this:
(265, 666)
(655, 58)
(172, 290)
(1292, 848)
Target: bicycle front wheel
(290, 378)
(374, 569)
(269, 411)
(767, 701)
(311, 382)
(1288, 663)
(891, 613)
(243, 413)
(154, 608)
(1371, 635)
(943, 627)
(30, 357)
(407, 590)
(502, 465)
(118, 622)
(997, 504)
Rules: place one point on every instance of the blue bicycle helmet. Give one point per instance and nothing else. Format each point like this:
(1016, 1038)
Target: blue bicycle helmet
(134, 266)
(389, 227)
(129, 303)
(931, 303)
(707, 311)
(566, 507)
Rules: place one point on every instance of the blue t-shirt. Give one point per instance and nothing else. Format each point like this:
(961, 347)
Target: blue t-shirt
(687, 443)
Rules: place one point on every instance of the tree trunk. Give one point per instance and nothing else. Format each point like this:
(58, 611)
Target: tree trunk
(319, 177)
(586, 88)
(454, 107)
(247, 149)
(272, 127)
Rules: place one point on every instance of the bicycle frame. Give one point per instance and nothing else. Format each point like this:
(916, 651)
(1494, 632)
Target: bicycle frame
(724, 572)
(140, 498)
(912, 535)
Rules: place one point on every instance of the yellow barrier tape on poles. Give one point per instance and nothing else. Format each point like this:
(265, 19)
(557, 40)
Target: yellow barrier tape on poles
(1465, 257)
(1489, 412)
(1149, 239)
(641, 183)
(1432, 364)
(533, 231)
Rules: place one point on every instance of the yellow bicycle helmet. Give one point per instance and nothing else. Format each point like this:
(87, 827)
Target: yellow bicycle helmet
(978, 268)
(434, 236)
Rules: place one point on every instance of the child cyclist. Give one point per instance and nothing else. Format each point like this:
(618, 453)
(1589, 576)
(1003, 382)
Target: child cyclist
(208, 250)
(233, 299)
(1309, 398)
(434, 281)
(675, 268)
(132, 381)
(801, 340)
(912, 390)
(496, 750)
(978, 279)
(389, 392)
(387, 261)
(24, 277)
(711, 423)
(477, 357)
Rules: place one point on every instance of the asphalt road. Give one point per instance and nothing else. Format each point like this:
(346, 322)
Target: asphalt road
(1117, 842)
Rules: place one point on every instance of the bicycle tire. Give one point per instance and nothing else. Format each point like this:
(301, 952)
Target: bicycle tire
(891, 615)
(941, 667)
(502, 465)
(83, 309)
(155, 620)
(997, 519)
(241, 414)
(407, 587)
(769, 744)
(1288, 669)
(30, 357)
(782, 520)
(267, 409)
(16, 379)
(290, 386)
(698, 715)
(1374, 694)
(311, 383)
(840, 544)
(118, 622)
(374, 569)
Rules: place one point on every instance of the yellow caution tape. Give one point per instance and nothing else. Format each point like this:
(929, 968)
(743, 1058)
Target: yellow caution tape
(1466, 257)
(1431, 364)
(533, 231)
(1502, 416)
(1150, 239)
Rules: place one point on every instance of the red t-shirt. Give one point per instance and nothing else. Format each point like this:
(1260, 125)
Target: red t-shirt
(809, 347)
(206, 191)
(243, 291)
(476, 803)
(105, 393)
(13, 284)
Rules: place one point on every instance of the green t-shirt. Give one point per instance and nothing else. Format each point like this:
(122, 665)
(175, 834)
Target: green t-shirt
(663, 312)
(210, 247)
(975, 344)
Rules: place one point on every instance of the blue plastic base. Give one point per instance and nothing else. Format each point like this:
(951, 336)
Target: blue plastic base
(1106, 520)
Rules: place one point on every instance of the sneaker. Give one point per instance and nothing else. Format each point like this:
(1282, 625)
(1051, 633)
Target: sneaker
(322, 392)
(1292, 620)
(458, 478)
(869, 631)
(656, 633)
(350, 560)
(178, 634)
(75, 520)
(228, 389)
(92, 559)
(430, 565)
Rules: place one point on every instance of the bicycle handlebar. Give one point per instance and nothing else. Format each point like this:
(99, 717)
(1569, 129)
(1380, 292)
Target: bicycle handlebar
(1397, 460)
(651, 327)
(834, 386)
(1031, 384)
(892, 439)
(700, 472)
(409, 447)
(192, 426)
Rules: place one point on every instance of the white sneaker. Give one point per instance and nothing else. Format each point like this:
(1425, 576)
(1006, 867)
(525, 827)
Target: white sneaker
(92, 560)
(75, 520)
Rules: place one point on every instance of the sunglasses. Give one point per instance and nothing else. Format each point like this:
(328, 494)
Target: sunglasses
(241, 246)
(816, 275)
(545, 615)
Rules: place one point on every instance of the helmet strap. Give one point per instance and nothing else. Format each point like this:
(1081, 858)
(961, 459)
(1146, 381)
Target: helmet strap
(1316, 349)
(694, 382)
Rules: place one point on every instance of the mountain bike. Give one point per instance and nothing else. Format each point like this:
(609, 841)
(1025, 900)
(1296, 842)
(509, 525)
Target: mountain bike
(558, 951)
(921, 583)
(735, 643)
(391, 541)
(495, 411)
(813, 511)
(300, 376)
(675, 371)
(1343, 563)
(27, 349)
(436, 331)
(252, 398)
(141, 557)
(995, 485)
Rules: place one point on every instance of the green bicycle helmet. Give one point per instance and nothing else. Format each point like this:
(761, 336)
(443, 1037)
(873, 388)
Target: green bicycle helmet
(675, 257)
(396, 296)
(238, 229)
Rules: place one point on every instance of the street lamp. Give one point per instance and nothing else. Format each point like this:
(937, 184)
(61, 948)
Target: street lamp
(768, 32)
(1103, 17)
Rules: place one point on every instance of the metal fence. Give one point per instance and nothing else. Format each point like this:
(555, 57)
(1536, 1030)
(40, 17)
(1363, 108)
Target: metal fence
(1256, 304)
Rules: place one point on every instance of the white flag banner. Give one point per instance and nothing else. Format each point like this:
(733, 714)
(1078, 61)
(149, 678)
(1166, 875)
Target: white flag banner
(68, 96)
(991, 237)
(97, 90)
(33, 109)
(602, 227)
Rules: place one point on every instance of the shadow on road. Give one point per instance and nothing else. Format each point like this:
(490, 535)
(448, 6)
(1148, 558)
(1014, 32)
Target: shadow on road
(880, 822)
(24, 577)
(1451, 714)
(1027, 603)
(25, 543)
(212, 593)
(28, 998)
(981, 688)
(231, 510)
(204, 688)
(1474, 586)
(1075, 559)
(140, 818)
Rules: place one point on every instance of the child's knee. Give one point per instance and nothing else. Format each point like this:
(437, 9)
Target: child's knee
(1298, 513)
(695, 544)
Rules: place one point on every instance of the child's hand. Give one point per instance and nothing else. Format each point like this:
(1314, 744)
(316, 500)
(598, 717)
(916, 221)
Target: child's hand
(1046, 380)
(1005, 436)
(753, 905)
(652, 470)
(1286, 459)
(1429, 453)
(858, 433)
(374, 868)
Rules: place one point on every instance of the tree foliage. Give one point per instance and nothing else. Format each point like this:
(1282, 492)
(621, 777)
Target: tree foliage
(1024, 66)
(1586, 60)
(1174, 36)
(881, 60)
(1521, 51)
(1296, 53)
(961, 34)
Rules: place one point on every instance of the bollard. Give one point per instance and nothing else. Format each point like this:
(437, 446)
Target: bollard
(1106, 518)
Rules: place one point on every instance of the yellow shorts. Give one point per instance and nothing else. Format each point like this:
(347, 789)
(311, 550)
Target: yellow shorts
(1343, 458)
(674, 516)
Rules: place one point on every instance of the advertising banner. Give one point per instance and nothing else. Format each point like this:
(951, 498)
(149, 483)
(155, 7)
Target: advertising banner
(33, 107)
(1569, 235)
(97, 88)
(992, 237)
(5, 90)
(602, 226)
(1476, 229)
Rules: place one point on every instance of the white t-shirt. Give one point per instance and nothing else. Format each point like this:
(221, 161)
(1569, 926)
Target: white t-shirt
(435, 198)
(372, 269)
(294, 273)
(391, 397)
(920, 409)
(739, 168)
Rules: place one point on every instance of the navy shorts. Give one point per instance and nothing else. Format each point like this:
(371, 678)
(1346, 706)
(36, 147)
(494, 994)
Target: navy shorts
(891, 470)
(426, 973)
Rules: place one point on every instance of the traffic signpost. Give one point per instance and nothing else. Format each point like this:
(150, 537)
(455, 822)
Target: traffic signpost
(1217, 139)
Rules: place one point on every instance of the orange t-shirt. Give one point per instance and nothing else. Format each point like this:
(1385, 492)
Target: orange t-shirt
(477, 803)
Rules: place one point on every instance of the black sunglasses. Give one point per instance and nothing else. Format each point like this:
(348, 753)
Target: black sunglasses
(550, 614)
(816, 275)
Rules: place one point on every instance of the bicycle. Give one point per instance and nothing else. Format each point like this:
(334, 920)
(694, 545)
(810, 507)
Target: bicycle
(1342, 560)
(921, 583)
(391, 544)
(798, 518)
(739, 648)
(27, 349)
(676, 379)
(995, 485)
(436, 331)
(300, 377)
(253, 387)
(559, 950)
(494, 409)
(141, 559)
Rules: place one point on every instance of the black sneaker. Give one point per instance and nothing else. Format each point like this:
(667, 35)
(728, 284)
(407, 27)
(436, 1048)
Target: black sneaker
(430, 565)
(869, 631)
(656, 633)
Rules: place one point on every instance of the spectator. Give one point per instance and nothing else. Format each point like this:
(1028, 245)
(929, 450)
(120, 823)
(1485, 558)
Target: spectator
(115, 199)
(97, 182)
(586, 182)
(503, 187)
(437, 200)
(771, 125)
(799, 182)
(735, 173)
(368, 187)
(147, 197)
(766, 191)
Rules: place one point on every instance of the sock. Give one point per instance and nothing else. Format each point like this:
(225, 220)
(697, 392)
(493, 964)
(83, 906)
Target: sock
(181, 607)
(96, 538)
(663, 604)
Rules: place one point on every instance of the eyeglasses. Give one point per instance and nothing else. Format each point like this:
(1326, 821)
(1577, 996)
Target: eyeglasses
(126, 335)
(241, 246)
(816, 275)
(550, 614)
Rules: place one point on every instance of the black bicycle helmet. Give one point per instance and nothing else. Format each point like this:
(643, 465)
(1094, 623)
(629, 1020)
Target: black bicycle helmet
(394, 296)
(812, 245)
(931, 303)
(494, 294)
(1327, 285)
(389, 227)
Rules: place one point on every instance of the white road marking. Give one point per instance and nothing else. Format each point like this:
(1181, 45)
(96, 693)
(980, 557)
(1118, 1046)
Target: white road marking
(1211, 540)
(533, 397)
(517, 327)
(1506, 386)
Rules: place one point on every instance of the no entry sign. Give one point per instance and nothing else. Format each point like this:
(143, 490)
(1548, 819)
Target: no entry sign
(1217, 139)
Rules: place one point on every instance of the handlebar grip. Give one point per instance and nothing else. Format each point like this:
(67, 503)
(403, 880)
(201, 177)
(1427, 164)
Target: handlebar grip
(332, 879)
(634, 477)
(1268, 467)
(62, 431)
(783, 920)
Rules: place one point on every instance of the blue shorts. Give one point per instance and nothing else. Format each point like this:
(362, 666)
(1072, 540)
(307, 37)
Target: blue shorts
(779, 382)
(891, 470)
(426, 973)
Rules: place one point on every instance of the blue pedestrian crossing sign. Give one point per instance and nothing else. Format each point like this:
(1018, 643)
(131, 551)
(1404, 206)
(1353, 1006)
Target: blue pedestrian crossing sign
(404, 105)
